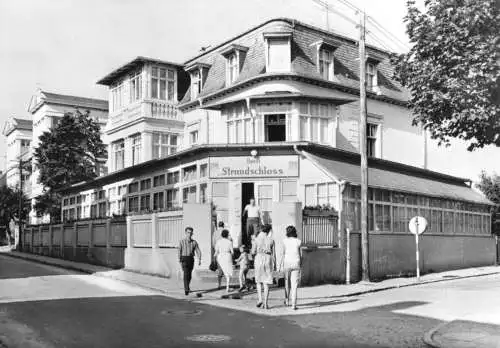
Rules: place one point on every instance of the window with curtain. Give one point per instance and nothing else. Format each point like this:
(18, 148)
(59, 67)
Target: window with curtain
(326, 64)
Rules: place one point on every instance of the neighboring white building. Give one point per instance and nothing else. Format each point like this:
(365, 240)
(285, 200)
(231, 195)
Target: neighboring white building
(18, 134)
(144, 123)
(46, 109)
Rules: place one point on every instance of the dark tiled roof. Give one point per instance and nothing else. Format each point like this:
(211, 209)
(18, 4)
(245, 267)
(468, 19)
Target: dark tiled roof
(55, 98)
(139, 61)
(303, 55)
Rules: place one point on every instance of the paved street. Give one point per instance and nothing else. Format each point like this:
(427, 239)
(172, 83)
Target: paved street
(43, 306)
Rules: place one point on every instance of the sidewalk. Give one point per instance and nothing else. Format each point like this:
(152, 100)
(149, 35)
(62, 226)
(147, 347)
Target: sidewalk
(206, 291)
(464, 334)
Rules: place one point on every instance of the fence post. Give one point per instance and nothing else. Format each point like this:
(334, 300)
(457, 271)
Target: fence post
(40, 240)
(50, 240)
(61, 252)
(75, 239)
(32, 249)
(130, 242)
(154, 236)
(108, 240)
(91, 240)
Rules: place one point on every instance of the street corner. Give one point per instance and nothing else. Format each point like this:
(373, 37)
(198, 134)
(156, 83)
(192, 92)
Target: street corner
(464, 334)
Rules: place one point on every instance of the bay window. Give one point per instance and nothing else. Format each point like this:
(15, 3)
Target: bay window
(118, 97)
(316, 121)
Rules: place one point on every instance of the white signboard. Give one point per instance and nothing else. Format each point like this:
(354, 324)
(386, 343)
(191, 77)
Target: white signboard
(418, 225)
(253, 167)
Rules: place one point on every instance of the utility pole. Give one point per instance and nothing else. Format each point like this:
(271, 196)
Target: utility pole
(365, 267)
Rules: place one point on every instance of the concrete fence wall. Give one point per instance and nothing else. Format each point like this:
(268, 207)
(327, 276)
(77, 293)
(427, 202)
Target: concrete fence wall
(100, 242)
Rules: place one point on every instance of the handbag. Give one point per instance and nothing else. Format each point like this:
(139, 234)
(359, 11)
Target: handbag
(213, 266)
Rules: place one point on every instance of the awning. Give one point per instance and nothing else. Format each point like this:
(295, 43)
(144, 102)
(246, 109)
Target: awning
(379, 177)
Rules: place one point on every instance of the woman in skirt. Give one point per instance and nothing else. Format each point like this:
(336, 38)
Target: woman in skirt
(265, 260)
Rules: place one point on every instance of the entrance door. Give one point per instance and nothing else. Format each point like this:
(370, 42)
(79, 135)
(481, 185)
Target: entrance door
(247, 192)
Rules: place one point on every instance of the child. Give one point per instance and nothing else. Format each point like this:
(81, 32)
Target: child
(243, 262)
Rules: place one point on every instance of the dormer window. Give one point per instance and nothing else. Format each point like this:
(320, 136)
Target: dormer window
(235, 56)
(326, 61)
(278, 51)
(195, 83)
(198, 72)
(232, 67)
(162, 83)
(371, 75)
(326, 64)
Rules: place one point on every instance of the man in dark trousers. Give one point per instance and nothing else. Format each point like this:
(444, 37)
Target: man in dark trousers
(188, 248)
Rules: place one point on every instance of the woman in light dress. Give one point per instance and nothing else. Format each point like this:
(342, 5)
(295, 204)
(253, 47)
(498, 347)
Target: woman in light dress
(265, 261)
(224, 256)
(291, 262)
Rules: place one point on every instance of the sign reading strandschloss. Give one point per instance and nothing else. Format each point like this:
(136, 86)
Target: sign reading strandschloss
(253, 167)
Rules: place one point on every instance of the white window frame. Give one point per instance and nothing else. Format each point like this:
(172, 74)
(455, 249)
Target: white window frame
(194, 137)
(136, 87)
(371, 75)
(196, 84)
(233, 67)
(377, 138)
(162, 148)
(168, 80)
(118, 97)
(118, 149)
(326, 63)
(275, 37)
(136, 148)
(326, 114)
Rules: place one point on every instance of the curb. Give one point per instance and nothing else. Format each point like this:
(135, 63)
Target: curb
(428, 336)
(88, 271)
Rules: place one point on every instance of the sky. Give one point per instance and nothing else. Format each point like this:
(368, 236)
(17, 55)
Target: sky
(65, 46)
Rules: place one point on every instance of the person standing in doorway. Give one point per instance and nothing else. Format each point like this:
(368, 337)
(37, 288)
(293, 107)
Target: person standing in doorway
(188, 249)
(254, 220)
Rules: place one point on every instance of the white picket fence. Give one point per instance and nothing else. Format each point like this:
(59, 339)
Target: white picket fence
(156, 230)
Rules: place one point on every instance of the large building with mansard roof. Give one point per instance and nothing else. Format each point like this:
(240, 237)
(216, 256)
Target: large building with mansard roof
(273, 113)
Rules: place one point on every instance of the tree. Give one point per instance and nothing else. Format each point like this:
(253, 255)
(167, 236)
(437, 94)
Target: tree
(67, 154)
(490, 187)
(452, 70)
(9, 204)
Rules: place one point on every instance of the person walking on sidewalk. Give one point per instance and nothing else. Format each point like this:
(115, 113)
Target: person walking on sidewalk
(291, 261)
(265, 261)
(188, 248)
(224, 256)
(243, 262)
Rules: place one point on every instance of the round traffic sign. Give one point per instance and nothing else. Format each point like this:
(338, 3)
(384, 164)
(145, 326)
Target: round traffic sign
(417, 225)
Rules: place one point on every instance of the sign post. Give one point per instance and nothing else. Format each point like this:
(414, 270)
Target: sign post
(417, 226)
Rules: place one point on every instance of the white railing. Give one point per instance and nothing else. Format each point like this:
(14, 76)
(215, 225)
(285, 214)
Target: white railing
(161, 109)
(155, 230)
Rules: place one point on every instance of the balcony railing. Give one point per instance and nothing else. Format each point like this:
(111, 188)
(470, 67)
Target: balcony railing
(162, 109)
(146, 108)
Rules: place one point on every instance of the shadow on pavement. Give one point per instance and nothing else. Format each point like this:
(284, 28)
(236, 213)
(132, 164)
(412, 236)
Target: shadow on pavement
(15, 268)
